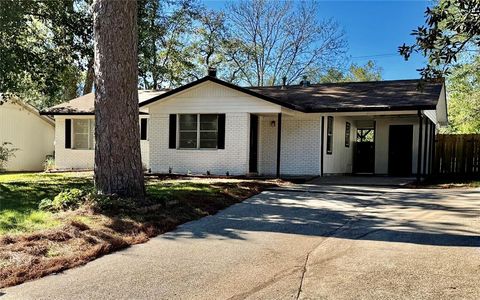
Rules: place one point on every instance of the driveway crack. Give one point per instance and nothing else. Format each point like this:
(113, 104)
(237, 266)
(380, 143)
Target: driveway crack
(347, 225)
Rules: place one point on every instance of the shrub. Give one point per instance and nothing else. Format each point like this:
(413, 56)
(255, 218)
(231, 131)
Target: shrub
(6, 152)
(70, 199)
(49, 163)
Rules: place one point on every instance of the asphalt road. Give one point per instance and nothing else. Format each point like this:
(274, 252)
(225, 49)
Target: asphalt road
(321, 242)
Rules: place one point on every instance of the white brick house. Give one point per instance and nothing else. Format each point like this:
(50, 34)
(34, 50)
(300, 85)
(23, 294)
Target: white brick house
(211, 126)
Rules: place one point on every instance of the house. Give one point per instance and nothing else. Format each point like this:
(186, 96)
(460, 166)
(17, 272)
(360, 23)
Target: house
(213, 126)
(31, 133)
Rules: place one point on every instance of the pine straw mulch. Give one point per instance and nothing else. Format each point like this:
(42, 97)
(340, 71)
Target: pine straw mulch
(87, 234)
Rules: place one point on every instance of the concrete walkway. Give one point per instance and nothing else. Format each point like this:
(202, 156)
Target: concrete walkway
(361, 243)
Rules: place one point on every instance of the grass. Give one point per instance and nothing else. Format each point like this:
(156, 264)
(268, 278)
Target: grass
(20, 194)
(446, 183)
(34, 243)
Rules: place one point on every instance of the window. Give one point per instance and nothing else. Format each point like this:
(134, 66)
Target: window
(347, 135)
(330, 135)
(365, 135)
(83, 133)
(143, 129)
(198, 131)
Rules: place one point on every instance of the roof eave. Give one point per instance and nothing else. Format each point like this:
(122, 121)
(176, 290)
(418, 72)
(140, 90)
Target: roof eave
(385, 108)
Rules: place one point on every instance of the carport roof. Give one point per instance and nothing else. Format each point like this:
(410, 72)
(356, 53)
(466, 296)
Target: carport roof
(358, 96)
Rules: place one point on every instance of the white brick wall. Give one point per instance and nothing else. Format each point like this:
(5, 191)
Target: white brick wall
(234, 158)
(81, 159)
(300, 145)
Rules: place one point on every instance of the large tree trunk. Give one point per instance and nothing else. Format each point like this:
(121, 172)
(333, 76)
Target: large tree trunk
(118, 165)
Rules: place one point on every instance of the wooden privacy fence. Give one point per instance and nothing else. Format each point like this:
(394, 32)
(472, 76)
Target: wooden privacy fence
(457, 155)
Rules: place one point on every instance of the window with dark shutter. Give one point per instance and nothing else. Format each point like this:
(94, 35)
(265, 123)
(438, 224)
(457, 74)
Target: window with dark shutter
(221, 131)
(330, 135)
(143, 129)
(68, 133)
(172, 132)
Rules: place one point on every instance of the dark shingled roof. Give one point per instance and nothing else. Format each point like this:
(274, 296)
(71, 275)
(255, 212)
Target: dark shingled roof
(329, 97)
(357, 96)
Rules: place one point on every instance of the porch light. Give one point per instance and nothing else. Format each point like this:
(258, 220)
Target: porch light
(272, 123)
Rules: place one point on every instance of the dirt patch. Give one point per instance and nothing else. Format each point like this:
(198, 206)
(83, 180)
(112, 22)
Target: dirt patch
(87, 234)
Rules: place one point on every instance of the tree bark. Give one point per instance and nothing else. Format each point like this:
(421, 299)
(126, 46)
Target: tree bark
(118, 165)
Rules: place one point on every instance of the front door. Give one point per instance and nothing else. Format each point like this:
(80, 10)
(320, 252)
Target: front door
(253, 161)
(400, 141)
(364, 157)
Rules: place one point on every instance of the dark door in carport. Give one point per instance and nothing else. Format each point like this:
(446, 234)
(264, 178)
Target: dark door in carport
(400, 141)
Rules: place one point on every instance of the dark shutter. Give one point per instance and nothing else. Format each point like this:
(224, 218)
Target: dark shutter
(172, 132)
(68, 133)
(221, 131)
(143, 129)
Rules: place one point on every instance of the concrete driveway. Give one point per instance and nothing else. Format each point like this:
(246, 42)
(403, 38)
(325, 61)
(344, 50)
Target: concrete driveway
(330, 242)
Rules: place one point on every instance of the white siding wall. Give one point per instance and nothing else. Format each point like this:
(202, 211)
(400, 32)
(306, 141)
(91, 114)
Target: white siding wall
(29, 132)
(206, 98)
(66, 159)
(341, 159)
(381, 143)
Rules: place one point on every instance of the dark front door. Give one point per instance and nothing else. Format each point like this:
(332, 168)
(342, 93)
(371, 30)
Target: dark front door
(400, 150)
(253, 161)
(364, 155)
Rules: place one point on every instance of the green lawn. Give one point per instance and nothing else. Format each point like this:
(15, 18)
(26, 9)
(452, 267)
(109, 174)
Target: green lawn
(34, 243)
(20, 194)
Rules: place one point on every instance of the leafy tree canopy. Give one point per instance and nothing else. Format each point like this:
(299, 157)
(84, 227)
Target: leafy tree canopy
(367, 72)
(463, 86)
(43, 49)
(452, 27)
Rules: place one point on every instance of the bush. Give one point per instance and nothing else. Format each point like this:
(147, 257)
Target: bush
(110, 202)
(49, 163)
(70, 199)
(6, 152)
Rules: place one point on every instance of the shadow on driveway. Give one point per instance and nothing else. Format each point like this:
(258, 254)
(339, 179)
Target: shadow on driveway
(427, 217)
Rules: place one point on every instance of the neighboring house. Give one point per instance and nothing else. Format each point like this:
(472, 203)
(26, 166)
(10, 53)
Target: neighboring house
(213, 126)
(28, 131)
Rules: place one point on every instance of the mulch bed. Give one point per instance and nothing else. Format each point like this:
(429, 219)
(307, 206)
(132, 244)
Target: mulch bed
(34, 255)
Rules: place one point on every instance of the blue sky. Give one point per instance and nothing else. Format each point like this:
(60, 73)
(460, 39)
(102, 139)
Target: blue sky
(374, 30)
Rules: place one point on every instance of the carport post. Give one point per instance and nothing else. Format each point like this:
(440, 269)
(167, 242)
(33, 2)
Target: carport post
(321, 145)
(279, 141)
(419, 154)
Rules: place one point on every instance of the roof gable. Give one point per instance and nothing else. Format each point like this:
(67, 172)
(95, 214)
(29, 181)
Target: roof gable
(222, 83)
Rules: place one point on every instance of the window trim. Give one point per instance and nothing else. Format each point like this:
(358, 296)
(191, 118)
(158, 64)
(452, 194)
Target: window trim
(329, 148)
(90, 134)
(198, 131)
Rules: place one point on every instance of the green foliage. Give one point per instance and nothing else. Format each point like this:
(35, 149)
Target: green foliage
(45, 45)
(49, 163)
(6, 152)
(451, 27)
(165, 30)
(368, 72)
(69, 199)
(463, 86)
